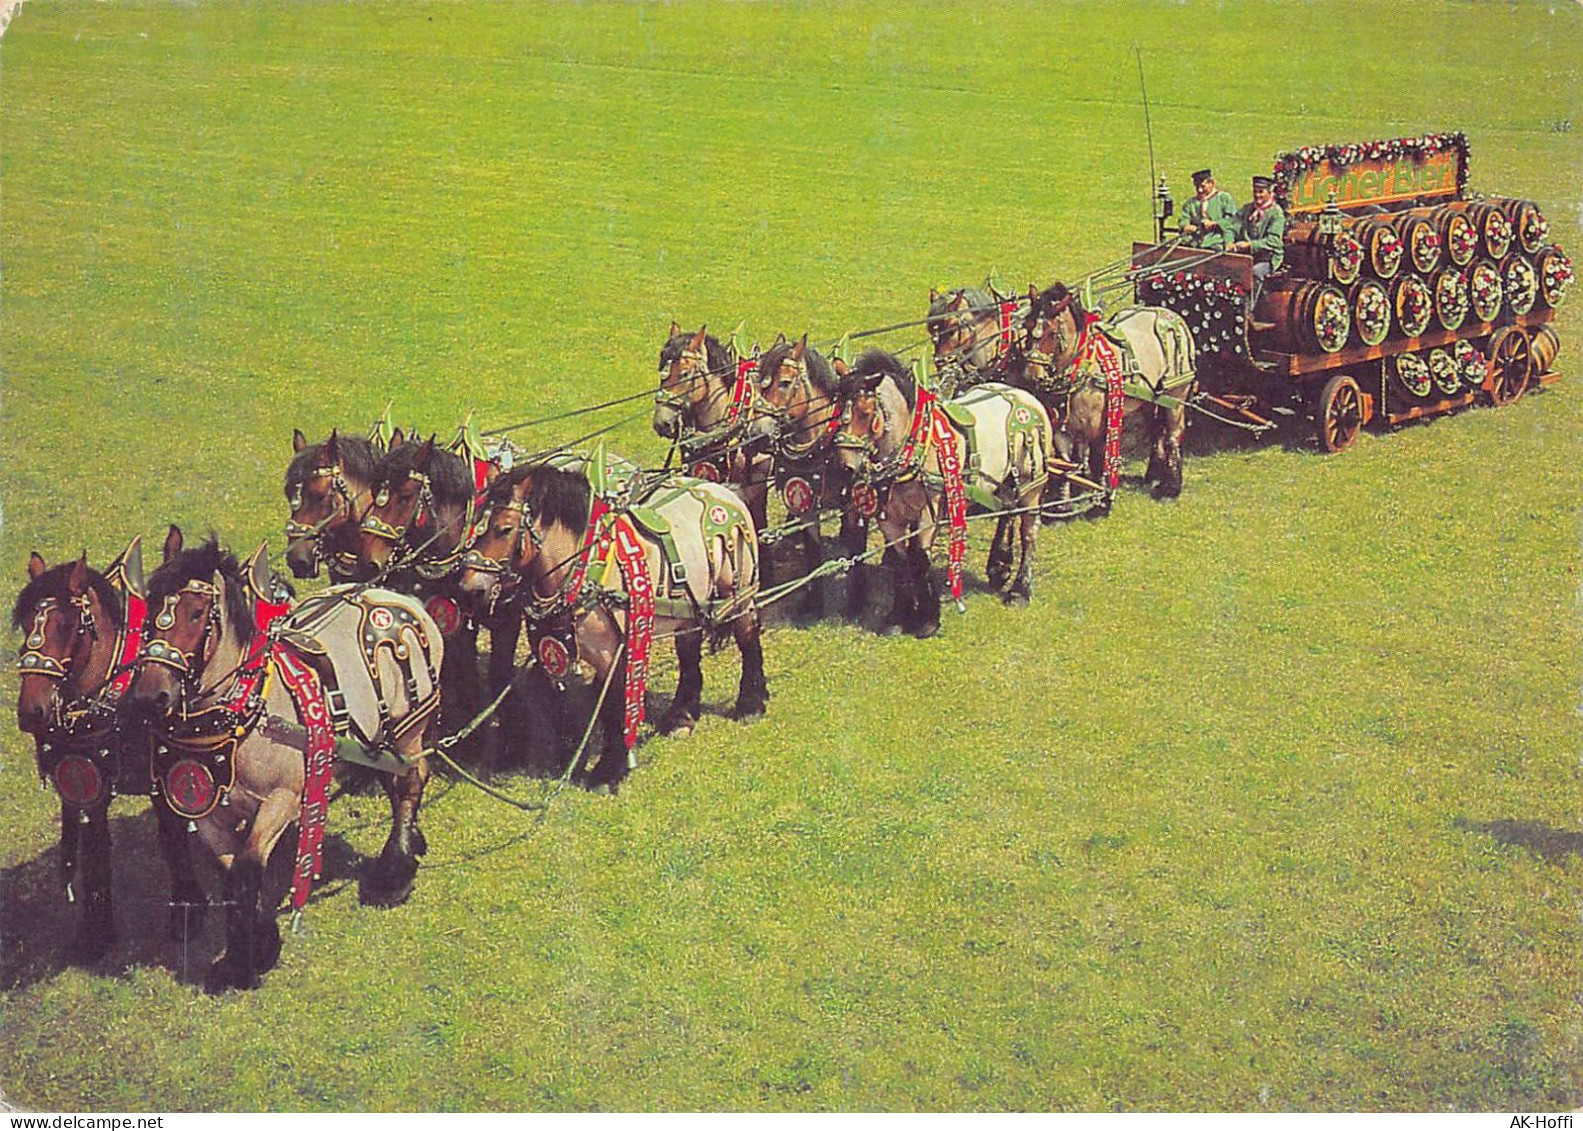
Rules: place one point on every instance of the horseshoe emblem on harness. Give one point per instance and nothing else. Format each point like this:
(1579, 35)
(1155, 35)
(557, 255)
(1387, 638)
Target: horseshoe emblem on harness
(718, 515)
(705, 469)
(865, 499)
(381, 619)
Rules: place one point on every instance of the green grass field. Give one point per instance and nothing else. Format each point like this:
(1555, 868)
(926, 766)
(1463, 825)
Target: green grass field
(1270, 801)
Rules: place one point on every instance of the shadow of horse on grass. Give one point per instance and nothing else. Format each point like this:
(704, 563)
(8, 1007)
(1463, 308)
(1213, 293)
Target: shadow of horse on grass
(39, 924)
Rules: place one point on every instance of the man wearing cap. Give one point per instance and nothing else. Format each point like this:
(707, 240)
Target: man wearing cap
(1210, 218)
(1261, 233)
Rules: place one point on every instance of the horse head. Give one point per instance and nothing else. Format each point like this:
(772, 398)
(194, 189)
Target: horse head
(201, 604)
(72, 616)
(877, 396)
(696, 372)
(537, 515)
(1055, 322)
(797, 390)
(965, 327)
(506, 544)
(421, 500)
(327, 488)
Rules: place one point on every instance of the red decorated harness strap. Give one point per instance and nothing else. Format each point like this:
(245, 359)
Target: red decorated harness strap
(640, 619)
(307, 696)
(131, 645)
(742, 391)
(250, 676)
(955, 496)
(597, 511)
(1007, 309)
(1094, 349)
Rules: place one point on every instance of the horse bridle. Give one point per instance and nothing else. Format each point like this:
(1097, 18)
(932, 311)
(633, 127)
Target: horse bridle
(379, 528)
(188, 665)
(34, 660)
(781, 414)
(1031, 353)
(345, 504)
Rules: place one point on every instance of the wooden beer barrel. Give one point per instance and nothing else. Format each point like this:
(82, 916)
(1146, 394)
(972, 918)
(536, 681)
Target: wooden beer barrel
(1521, 280)
(1555, 275)
(1529, 226)
(1371, 311)
(1472, 365)
(1310, 255)
(1495, 231)
(1412, 375)
(1421, 238)
(1383, 249)
(1452, 302)
(1486, 293)
(1459, 239)
(1445, 371)
(1412, 304)
(1546, 344)
(1308, 316)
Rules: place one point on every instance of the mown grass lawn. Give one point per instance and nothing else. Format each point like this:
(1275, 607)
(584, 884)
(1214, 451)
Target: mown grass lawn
(1268, 802)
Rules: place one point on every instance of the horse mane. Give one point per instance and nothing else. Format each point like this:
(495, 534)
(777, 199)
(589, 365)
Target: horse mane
(556, 495)
(449, 475)
(875, 365)
(715, 354)
(820, 371)
(1053, 296)
(56, 582)
(358, 456)
(200, 563)
(978, 299)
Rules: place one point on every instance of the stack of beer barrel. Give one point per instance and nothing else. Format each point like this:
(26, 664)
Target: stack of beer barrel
(1399, 275)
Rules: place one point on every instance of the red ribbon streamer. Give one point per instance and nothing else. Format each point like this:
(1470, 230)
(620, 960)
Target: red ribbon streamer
(955, 496)
(1094, 347)
(640, 620)
(319, 764)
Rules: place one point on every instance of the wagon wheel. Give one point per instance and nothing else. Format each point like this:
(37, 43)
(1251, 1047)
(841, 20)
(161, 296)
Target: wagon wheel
(1511, 364)
(1340, 413)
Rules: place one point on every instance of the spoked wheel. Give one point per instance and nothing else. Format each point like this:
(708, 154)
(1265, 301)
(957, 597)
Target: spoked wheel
(1511, 364)
(1339, 413)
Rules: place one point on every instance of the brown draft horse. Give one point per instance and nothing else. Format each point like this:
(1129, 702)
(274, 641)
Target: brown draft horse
(328, 489)
(1157, 355)
(213, 707)
(696, 406)
(80, 626)
(887, 443)
(421, 519)
(797, 414)
(974, 332)
(705, 572)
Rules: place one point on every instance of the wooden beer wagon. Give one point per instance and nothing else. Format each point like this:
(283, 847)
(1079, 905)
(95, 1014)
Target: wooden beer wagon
(1402, 294)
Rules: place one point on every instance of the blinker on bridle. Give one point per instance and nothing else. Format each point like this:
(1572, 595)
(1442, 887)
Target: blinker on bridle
(158, 651)
(379, 528)
(34, 660)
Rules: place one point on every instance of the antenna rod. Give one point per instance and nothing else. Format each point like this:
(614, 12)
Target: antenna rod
(1147, 126)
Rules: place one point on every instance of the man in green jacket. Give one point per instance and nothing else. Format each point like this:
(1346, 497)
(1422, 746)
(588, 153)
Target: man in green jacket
(1210, 218)
(1262, 233)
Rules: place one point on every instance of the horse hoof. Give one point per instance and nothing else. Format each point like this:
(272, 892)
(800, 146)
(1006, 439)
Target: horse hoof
(927, 629)
(420, 843)
(1018, 597)
(677, 724)
(381, 895)
(227, 974)
(749, 708)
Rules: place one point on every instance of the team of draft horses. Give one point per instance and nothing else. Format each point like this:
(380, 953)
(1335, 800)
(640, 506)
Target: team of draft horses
(206, 686)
